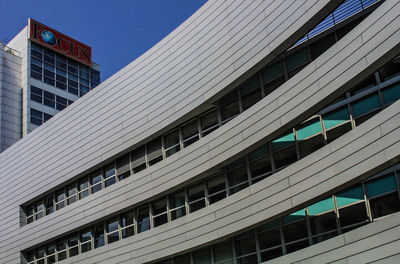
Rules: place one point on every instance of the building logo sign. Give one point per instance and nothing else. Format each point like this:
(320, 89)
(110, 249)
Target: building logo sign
(59, 42)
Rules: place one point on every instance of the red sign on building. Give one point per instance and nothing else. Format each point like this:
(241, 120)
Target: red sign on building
(59, 42)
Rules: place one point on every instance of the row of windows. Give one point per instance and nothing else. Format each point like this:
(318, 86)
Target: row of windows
(349, 110)
(229, 106)
(51, 100)
(342, 212)
(62, 72)
(38, 117)
(259, 164)
(360, 204)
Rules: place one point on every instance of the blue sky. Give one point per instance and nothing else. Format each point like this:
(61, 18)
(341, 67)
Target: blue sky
(118, 31)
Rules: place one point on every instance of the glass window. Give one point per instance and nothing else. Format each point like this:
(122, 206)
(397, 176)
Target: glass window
(154, 151)
(223, 253)
(336, 117)
(160, 212)
(202, 256)
(391, 93)
(138, 159)
(172, 142)
(351, 195)
(353, 216)
(109, 175)
(99, 236)
(185, 259)
(229, 106)
(196, 197)
(381, 186)
(73, 245)
(96, 181)
(61, 249)
(250, 92)
(29, 214)
(86, 241)
(39, 210)
(216, 188)
(322, 45)
(177, 205)
(49, 205)
(323, 220)
(83, 188)
(245, 245)
(143, 218)
(112, 231)
(297, 61)
(385, 205)
(270, 238)
(72, 194)
(390, 70)
(260, 163)
(209, 122)
(366, 105)
(366, 84)
(60, 199)
(190, 133)
(127, 225)
(285, 157)
(296, 228)
(237, 176)
(123, 167)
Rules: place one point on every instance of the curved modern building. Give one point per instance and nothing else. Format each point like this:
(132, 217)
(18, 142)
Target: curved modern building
(257, 131)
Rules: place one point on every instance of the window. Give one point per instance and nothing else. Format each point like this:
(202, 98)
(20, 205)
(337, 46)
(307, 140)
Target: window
(99, 236)
(72, 194)
(337, 123)
(172, 143)
(159, 212)
(202, 256)
(229, 106)
(36, 94)
(154, 151)
(190, 133)
(295, 231)
(138, 159)
(209, 122)
(390, 70)
(260, 163)
(391, 94)
(285, 151)
(143, 218)
(49, 205)
(322, 220)
(297, 61)
(250, 92)
(83, 188)
(109, 175)
(51, 253)
(86, 241)
(177, 204)
(29, 214)
(73, 242)
(112, 231)
(223, 253)
(96, 181)
(123, 167)
(216, 187)
(61, 249)
(196, 197)
(127, 225)
(273, 77)
(237, 176)
(270, 241)
(246, 249)
(309, 136)
(39, 210)
(60, 199)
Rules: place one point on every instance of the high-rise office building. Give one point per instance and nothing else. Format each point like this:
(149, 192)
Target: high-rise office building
(43, 71)
(257, 131)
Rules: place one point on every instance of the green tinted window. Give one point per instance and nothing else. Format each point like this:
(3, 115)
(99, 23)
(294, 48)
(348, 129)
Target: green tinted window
(391, 94)
(281, 142)
(336, 118)
(321, 206)
(381, 185)
(250, 85)
(261, 151)
(350, 196)
(297, 59)
(366, 105)
(301, 214)
(309, 129)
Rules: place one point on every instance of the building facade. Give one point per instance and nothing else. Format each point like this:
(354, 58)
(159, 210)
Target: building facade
(257, 131)
(44, 72)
